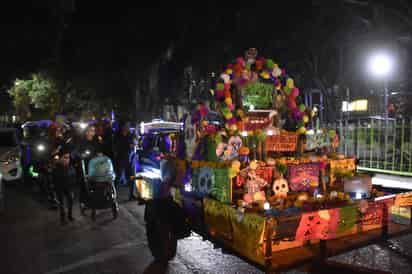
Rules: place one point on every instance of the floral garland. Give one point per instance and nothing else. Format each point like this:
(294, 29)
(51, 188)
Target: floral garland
(244, 72)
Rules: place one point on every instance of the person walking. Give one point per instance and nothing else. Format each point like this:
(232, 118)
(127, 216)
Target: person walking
(87, 149)
(64, 179)
(124, 143)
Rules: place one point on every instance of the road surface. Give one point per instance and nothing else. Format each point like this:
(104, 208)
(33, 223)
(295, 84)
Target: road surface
(33, 241)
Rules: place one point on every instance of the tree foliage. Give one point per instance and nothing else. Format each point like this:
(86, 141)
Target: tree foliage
(38, 92)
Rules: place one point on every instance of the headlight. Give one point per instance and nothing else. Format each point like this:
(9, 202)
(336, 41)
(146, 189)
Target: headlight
(86, 153)
(83, 125)
(40, 147)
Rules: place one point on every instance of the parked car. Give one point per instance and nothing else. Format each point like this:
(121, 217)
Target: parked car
(10, 155)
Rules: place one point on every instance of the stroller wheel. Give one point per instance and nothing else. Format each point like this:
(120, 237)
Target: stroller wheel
(93, 214)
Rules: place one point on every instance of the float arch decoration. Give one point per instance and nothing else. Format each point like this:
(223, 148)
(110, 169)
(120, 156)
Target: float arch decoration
(253, 81)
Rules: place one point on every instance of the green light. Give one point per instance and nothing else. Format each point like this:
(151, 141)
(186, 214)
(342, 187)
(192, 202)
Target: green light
(33, 173)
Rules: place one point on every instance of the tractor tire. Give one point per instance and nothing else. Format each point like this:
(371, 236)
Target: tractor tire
(162, 241)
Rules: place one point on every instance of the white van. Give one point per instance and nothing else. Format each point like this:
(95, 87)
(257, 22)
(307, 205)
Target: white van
(10, 155)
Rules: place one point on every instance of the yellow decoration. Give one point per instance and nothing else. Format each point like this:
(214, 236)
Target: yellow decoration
(301, 130)
(253, 165)
(229, 71)
(217, 218)
(229, 115)
(228, 101)
(305, 119)
(236, 165)
(233, 127)
(312, 114)
(241, 113)
(205, 123)
(290, 83)
(265, 75)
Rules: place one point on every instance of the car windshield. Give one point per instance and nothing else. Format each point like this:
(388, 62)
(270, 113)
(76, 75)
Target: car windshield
(34, 131)
(8, 139)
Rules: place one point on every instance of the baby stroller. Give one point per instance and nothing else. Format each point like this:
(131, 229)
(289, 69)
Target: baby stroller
(101, 193)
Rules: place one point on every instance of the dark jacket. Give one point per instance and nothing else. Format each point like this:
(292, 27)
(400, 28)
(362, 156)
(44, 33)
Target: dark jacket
(92, 146)
(64, 178)
(122, 146)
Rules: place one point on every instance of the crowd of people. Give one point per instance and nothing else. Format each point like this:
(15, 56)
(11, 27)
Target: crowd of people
(73, 149)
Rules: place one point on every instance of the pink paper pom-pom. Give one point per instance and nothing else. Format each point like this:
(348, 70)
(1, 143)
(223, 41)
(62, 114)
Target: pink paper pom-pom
(231, 121)
(241, 61)
(295, 92)
(220, 94)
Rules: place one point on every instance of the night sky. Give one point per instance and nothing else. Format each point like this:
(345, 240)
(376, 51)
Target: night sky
(102, 38)
(109, 46)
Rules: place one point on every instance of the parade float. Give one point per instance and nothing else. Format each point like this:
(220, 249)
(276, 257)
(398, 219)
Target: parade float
(258, 175)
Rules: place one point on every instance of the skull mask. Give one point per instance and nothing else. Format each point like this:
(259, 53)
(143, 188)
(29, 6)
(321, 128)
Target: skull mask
(281, 188)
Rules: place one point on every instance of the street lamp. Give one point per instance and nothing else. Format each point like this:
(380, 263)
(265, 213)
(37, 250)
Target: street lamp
(381, 65)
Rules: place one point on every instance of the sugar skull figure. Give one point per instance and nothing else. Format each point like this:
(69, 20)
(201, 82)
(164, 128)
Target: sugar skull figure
(254, 185)
(280, 188)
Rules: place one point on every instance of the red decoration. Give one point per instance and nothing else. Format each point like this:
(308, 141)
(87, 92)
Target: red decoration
(318, 225)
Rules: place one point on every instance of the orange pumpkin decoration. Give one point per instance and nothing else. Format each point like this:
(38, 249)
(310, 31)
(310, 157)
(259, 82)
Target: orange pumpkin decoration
(244, 151)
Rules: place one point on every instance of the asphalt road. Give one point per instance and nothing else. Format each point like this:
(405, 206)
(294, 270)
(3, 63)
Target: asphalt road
(33, 241)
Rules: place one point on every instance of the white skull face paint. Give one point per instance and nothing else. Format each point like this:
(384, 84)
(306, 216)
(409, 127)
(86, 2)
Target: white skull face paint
(280, 188)
(190, 137)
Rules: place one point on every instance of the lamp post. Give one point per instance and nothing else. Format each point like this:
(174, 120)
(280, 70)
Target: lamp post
(381, 66)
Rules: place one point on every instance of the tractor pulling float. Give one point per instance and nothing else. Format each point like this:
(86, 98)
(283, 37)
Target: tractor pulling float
(257, 175)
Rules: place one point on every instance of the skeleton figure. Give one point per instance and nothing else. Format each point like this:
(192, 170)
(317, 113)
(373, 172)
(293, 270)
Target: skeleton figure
(190, 137)
(254, 185)
(280, 188)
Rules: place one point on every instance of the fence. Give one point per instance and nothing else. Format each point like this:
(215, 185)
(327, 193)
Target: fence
(383, 146)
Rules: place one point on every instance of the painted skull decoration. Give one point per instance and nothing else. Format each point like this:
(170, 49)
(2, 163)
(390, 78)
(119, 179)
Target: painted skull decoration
(205, 180)
(280, 188)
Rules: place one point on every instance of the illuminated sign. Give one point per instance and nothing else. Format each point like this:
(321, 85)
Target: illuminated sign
(357, 105)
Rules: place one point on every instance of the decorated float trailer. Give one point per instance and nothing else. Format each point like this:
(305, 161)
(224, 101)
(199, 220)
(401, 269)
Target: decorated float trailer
(266, 182)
